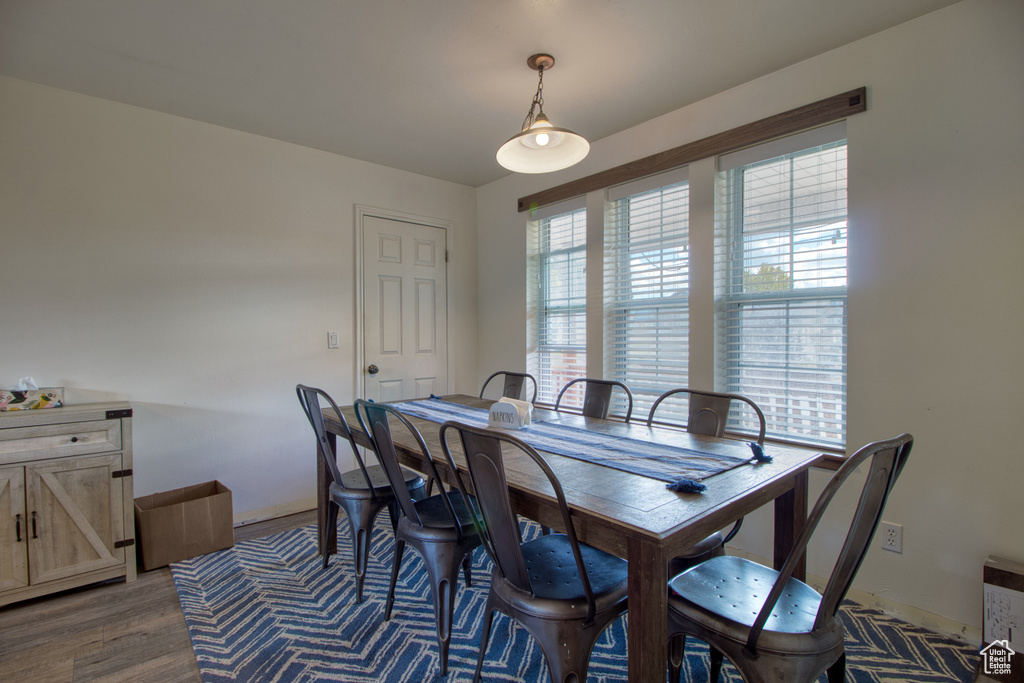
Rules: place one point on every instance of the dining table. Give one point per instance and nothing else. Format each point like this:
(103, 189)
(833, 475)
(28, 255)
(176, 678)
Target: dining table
(634, 516)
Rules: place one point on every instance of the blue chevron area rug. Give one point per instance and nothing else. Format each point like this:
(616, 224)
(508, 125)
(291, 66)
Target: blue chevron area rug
(266, 611)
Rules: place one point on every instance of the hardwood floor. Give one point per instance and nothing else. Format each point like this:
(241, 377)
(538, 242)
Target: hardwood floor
(115, 631)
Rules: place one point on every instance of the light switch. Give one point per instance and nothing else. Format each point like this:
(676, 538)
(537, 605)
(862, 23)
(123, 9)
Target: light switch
(332, 340)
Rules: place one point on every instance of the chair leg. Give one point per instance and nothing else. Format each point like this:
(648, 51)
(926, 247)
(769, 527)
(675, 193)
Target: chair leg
(716, 664)
(676, 652)
(360, 518)
(443, 561)
(467, 567)
(566, 646)
(485, 636)
(395, 566)
(837, 672)
(332, 522)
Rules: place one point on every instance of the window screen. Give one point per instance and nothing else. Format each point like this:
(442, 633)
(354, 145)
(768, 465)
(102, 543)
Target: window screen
(558, 303)
(781, 281)
(647, 291)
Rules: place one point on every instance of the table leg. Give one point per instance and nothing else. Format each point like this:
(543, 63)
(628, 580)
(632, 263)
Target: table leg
(790, 517)
(648, 611)
(327, 539)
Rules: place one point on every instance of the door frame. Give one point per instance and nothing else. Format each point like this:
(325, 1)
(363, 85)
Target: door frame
(363, 211)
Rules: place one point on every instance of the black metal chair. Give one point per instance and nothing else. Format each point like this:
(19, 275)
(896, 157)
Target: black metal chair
(708, 415)
(361, 501)
(770, 625)
(597, 397)
(513, 386)
(440, 528)
(563, 592)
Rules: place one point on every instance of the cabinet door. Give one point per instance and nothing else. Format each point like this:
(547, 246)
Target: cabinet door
(13, 532)
(75, 515)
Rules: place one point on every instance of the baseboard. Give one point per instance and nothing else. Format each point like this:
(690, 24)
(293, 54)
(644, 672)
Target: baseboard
(929, 621)
(274, 511)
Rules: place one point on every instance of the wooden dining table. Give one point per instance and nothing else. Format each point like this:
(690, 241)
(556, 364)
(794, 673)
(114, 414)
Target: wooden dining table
(632, 516)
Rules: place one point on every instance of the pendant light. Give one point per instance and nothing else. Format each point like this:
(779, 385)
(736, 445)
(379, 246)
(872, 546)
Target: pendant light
(541, 147)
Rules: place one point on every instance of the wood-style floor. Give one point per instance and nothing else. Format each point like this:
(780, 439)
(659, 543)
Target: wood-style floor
(115, 631)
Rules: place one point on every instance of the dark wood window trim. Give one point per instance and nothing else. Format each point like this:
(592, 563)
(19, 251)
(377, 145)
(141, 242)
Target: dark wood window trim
(819, 113)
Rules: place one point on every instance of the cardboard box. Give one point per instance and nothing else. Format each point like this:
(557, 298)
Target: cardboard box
(179, 524)
(1002, 653)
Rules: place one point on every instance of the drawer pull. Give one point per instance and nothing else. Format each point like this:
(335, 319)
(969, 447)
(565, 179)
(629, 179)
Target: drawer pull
(74, 439)
(34, 534)
(17, 528)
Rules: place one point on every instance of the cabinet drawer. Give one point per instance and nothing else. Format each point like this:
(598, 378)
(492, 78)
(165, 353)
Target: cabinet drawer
(59, 440)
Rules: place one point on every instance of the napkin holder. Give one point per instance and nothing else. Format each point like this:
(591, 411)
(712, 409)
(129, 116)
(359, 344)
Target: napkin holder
(509, 413)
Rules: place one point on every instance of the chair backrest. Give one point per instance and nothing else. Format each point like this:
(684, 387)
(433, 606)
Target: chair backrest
(513, 387)
(498, 524)
(309, 398)
(709, 411)
(377, 427)
(887, 459)
(597, 397)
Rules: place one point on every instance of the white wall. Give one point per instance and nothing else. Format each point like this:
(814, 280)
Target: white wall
(936, 323)
(195, 271)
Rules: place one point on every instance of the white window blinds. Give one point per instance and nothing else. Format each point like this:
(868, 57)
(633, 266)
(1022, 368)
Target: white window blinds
(646, 296)
(558, 302)
(781, 241)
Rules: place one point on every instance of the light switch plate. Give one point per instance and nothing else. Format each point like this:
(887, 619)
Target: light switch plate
(332, 340)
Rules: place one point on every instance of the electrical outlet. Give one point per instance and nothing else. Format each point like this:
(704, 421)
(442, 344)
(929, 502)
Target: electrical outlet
(892, 537)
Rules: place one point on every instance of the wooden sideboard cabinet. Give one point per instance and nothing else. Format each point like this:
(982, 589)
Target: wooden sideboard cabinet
(66, 502)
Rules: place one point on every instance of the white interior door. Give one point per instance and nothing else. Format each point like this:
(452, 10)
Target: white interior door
(405, 311)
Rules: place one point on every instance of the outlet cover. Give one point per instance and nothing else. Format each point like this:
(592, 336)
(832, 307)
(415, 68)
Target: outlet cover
(892, 537)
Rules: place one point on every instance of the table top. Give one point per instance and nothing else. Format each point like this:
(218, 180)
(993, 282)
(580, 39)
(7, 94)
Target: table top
(610, 505)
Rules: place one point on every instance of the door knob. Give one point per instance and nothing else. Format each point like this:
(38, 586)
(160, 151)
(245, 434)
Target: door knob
(373, 369)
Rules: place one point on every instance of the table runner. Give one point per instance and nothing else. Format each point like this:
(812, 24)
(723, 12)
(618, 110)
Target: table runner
(654, 460)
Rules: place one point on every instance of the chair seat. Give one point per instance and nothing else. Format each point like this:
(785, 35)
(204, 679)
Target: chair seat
(436, 524)
(355, 485)
(556, 583)
(728, 593)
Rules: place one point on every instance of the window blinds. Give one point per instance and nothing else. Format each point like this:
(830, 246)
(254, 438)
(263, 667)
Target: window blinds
(646, 287)
(781, 244)
(559, 305)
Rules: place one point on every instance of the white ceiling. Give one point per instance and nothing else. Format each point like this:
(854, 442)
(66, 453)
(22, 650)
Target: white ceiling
(428, 86)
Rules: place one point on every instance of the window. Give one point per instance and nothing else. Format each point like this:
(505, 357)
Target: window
(781, 247)
(558, 302)
(728, 273)
(647, 288)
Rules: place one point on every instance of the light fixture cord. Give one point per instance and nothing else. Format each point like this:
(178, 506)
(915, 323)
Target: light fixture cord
(538, 100)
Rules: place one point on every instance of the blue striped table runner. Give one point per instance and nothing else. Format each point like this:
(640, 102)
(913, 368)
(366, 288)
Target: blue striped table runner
(654, 460)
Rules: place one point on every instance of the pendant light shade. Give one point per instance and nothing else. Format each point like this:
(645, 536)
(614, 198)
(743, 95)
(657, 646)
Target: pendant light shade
(541, 147)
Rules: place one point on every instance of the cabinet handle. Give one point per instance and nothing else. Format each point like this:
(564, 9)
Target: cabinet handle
(34, 534)
(17, 527)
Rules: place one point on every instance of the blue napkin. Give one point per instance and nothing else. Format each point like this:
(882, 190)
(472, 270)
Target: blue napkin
(759, 454)
(686, 486)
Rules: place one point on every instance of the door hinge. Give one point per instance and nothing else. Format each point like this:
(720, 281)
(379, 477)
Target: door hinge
(125, 543)
(121, 473)
(114, 414)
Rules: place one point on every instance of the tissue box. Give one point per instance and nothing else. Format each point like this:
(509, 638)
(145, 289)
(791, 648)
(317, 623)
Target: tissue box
(16, 399)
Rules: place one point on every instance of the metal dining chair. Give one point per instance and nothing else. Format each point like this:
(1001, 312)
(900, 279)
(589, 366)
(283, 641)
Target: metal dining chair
(350, 491)
(563, 592)
(708, 413)
(513, 384)
(440, 528)
(597, 397)
(771, 626)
